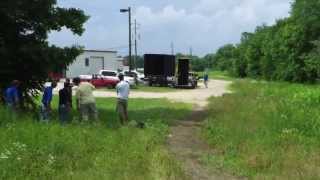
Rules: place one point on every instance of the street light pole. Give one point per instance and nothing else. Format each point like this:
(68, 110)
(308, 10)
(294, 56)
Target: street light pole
(130, 43)
(135, 44)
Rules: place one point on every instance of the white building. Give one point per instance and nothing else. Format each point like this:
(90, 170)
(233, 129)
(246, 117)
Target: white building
(92, 61)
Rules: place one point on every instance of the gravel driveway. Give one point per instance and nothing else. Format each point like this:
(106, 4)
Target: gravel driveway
(197, 96)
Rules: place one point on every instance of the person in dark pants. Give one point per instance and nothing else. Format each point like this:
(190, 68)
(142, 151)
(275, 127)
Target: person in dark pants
(46, 101)
(65, 103)
(12, 98)
(68, 85)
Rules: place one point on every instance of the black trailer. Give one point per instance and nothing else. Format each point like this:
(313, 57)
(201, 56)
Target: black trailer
(159, 69)
(186, 79)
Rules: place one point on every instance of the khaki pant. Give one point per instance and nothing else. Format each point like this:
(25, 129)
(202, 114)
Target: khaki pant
(122, 110)
(206, 84)
(88, 110)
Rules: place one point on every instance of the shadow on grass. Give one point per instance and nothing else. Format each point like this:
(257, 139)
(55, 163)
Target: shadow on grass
(108, 117)
(152, 115)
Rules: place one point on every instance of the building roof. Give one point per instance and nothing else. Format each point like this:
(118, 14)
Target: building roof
(107, 51)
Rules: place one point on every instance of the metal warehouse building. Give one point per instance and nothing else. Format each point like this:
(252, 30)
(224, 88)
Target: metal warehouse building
(92, 61)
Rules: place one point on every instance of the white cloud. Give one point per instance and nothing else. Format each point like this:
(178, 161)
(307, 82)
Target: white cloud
(203, 24)
(207, 25)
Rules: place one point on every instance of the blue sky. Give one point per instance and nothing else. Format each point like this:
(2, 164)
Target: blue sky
(204, 25)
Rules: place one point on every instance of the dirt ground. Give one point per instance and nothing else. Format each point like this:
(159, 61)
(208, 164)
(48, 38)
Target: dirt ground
(197, 96)
(185, 141)
(186, 144)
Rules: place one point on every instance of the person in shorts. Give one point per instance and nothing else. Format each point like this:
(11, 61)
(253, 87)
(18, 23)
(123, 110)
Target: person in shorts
(86, 103)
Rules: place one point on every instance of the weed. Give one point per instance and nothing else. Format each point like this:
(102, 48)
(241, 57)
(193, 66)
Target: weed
(268, 130)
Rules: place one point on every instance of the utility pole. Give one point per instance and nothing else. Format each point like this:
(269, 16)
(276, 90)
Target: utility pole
(130, 43)
(135, 44)
(172, 48)
(191, 52)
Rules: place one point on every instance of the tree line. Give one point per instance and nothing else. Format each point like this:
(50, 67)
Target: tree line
(286, 51)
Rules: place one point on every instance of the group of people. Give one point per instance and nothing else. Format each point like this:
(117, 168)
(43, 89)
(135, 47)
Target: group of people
(85, 101)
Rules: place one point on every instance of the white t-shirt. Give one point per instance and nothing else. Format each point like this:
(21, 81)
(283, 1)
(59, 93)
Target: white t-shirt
(123, 89)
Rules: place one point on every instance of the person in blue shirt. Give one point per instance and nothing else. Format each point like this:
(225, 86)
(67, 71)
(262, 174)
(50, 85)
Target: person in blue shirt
(206, 79)
(12, 97)
(46, 101)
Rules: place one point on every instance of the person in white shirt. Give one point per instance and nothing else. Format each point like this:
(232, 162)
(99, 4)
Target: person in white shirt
(123, 90)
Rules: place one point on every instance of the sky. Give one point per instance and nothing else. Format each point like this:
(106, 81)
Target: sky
(200, 25)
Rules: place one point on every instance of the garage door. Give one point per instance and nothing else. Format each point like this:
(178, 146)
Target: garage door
(96, 64)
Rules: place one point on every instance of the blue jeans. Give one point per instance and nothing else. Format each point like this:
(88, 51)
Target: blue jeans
(44, 113)
(64, 114)
(11, 111)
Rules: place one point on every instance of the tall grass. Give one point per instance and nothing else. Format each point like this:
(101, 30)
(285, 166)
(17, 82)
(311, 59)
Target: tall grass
(104, 150)
(221, 75)
(266, 131)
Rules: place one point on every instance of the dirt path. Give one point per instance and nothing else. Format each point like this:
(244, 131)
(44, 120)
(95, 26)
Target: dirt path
(187, 146)
(197, 96)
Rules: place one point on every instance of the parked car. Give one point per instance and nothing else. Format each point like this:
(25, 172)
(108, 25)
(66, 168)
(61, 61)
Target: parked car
(134, 74)
(114, 75)
(99, 81)
(85, 77)
(109, 74)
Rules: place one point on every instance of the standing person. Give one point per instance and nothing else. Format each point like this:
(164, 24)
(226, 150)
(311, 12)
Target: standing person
(65, 103)
(123, 89)
(206, 79)
(12, 97)
(68, 85)
(46, 101)
(86, 103)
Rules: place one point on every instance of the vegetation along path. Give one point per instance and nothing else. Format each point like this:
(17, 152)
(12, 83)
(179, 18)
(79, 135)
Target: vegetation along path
(185, 141)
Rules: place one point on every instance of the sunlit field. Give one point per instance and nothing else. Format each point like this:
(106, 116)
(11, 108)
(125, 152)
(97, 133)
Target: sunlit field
(102, 150)
(266, 130)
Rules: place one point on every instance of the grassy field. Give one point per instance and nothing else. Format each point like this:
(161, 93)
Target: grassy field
(219, 75)
(266, 131)
(103, 150)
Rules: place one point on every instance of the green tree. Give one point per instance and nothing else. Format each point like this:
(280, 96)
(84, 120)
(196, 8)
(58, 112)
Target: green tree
(312, 63)
(25, 52)
(306, 16)
(224, 57)
(288, 50)
(198, 64)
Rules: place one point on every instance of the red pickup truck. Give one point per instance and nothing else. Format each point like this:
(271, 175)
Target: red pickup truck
(99, 81)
